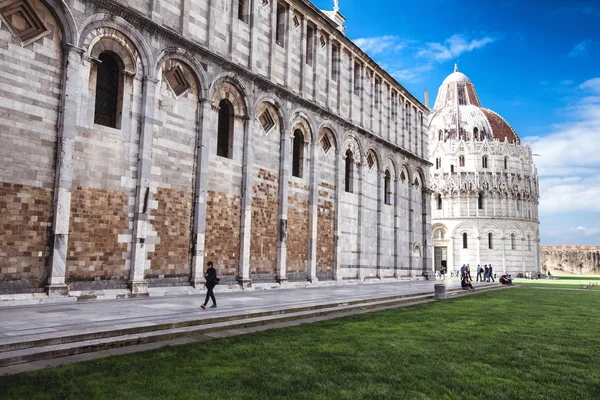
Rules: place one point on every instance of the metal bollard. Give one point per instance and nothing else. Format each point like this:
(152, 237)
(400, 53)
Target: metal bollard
(440, 291)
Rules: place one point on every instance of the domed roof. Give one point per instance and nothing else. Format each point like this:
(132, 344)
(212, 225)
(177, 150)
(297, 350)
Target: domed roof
(456, 77)
(458, 114)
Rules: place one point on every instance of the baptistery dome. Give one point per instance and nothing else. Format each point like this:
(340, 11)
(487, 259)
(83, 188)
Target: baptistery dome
(458, 114)
(484, 186)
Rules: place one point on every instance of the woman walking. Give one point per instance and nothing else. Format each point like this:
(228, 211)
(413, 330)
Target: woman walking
(211, 281)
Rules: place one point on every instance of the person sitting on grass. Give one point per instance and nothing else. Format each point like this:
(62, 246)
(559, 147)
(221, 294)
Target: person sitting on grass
(505, 280)
(466, 284)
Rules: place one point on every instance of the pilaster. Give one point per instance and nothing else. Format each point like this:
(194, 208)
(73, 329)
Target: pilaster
(200, 192)
(284, 176)
(56, 284)
(250, 129)
(339, 185)
(313, 213)
(380, 199)
(360, 231)
(136, 282)
(396, 227)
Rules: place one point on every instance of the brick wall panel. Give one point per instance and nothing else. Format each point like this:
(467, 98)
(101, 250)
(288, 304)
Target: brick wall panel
(297, 237)
(265, 210)
(98, 217)
(222, 240)
(172, 223)
(25, 225)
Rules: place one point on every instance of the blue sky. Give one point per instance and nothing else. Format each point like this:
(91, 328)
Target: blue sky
(536, 63)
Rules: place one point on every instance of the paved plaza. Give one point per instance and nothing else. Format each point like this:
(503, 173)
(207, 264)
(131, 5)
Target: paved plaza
(43, 322)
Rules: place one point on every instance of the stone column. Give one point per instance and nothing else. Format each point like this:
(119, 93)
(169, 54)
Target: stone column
(537, 255)
(313, 213)
(250, 129)
(339, 187)
(523, 254)
(478, 242)
(136, 282)
(200, 192)
(284, 176)
(503, 241)
(56, 284)
(450, 254)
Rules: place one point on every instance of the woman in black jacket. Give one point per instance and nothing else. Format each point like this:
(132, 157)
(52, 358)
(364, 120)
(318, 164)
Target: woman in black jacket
(211, 281)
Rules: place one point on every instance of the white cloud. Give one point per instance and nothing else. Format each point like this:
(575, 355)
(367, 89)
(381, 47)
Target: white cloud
(592, 85)
(586, 231)
(377, 45)
(569, 162)
(452, 47)
(581, 49)
(410, 75)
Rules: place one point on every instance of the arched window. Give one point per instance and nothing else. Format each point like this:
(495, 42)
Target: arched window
(109, 82)
(513, 241)
(529, 242)
(475, 133)
(461, 161)
(480, 201)
(505, 162)
(349, 175)
(440, 135)
(490, 240)
(387, 187)
(438, 163)
(225, 129)
(298, 154)
(465, 243)
(518, 203)
(438, 200)
(484, 162)
(439, 234)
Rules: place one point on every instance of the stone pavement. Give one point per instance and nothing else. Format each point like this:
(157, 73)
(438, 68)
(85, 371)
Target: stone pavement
(48, 321)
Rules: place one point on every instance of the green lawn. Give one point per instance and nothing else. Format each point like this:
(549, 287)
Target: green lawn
(588, 282)
(519, 343)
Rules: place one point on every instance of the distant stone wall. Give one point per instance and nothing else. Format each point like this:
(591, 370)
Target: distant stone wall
(571, 259)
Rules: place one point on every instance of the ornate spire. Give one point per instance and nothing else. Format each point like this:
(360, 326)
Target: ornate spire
(456, 67)
(336, 5)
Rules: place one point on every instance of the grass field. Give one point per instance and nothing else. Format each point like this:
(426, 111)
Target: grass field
(586, 282)
(520, 343)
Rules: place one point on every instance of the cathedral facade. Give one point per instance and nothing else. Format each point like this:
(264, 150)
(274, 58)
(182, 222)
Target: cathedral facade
(484, 186)
(141, 138)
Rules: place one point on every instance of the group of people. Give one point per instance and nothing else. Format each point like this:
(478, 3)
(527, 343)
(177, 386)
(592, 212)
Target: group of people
(484, 274)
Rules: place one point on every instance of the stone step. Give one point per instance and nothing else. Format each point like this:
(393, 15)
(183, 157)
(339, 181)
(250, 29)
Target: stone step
(78, 343)
(168, 321)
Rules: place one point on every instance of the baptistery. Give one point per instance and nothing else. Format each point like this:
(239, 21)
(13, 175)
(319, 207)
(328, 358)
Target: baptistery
(484, 186)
